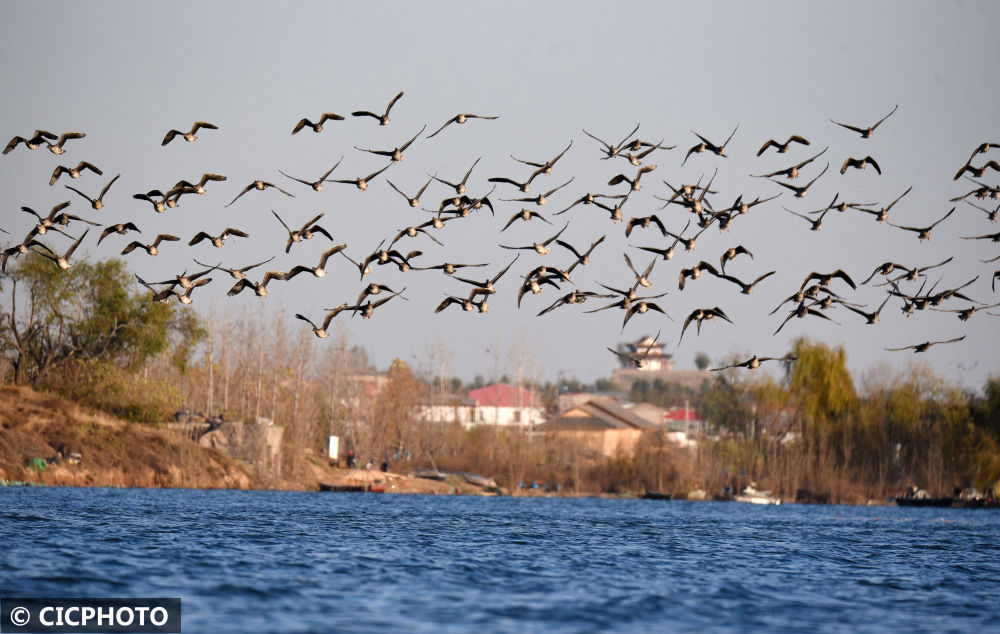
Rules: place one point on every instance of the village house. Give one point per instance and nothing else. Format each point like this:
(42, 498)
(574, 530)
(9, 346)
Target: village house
(500, 404)
(603, 425)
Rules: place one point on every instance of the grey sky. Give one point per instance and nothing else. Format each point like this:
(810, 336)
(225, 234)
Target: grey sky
(125, 73)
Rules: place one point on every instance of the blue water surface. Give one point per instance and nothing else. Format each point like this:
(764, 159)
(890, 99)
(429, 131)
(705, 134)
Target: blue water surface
(260, 561)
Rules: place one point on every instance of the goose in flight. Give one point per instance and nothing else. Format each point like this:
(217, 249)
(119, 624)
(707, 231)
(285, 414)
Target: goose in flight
(362, 181)
(190, 135)
(816, 223)
(306, 232)
(540, 199)
(615, 211)
(383, 119)
(35, 141)
(860, 164)
(589, 199)
(412, 232)
(730, 254)
(199, 187)
(978, 171)
(163, 295)
(611, 151)
(695, 272)
(521, 186)
(991, 214)
(911, 274)
(459, 118)
(525, 215)
(54, 218)
(824, 279)
(866, 132)
(464, 205)
(448, 268)
(260, 186)
(982, 148)
(964, 314)
(576, 297)
(754, 362)
(367, 309)
(702, 314)
(159, 206)
(640, 362)
(793, 171)
(317, 184)
(667, 253)
(742, 207)
(642, 279)
(534, 280)
(641, 306)
(184, 280)
(373, 289)
(800, 296)
(318, 271)
(57, 147)
(21, 249)
(633, 182)
(636, 157)
(120, 228)
(396, 154)
(871, 318)
(153, 248)
(992, 237)
(882, 215)
(923, 233)
(217, 241)
(74, 172)
(467, 304)
(581, 258)
(62, 261)
(459, 187)
(746, 288)
(237, 274)
(541, 248)
(688, 243)
(318, 126)
(644, 223)
(487, 286)
(782, 147)
(802, 311)
(801, 190)
(414, 201)
(259, 289)
(922, 347)
(96, 203)
(543, 167)
(718, 150)
(321, 331)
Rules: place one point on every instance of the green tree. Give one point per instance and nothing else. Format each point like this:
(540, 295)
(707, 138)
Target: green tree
(701, 361)
(87, 313)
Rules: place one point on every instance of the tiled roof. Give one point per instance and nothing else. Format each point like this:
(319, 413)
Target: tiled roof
(501, 395)
(599, 414)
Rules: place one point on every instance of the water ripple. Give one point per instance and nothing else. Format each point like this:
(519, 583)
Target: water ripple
(294, 562)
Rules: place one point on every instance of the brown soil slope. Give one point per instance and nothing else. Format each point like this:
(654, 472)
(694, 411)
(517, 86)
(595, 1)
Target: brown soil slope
(36, 427)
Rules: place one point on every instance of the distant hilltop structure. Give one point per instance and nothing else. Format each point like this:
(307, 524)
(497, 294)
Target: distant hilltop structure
(657, 364)
(651, 353)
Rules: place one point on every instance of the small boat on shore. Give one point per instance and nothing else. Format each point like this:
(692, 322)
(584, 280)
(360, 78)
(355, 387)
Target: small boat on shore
(926, 501)
(656, 495)
(750, 495)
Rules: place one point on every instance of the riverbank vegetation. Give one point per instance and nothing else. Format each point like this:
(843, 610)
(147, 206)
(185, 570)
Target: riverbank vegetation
(814, 432)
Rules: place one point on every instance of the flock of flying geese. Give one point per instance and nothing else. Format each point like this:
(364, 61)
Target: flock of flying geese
(697, 203)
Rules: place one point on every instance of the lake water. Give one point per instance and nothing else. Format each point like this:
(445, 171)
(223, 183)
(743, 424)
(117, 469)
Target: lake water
(262, 561)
